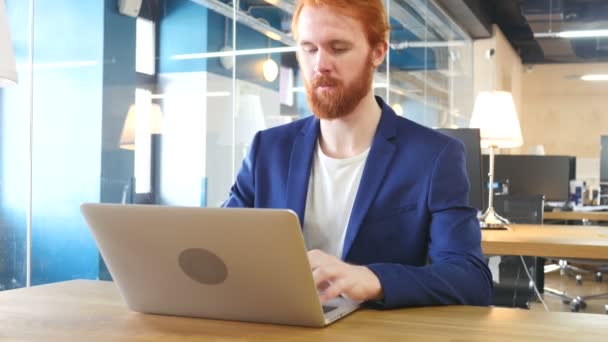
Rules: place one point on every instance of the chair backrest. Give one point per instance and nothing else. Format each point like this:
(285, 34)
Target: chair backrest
(522, 209)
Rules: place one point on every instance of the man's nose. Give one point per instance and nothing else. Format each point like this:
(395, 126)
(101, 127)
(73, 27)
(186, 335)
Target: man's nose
(322, 62)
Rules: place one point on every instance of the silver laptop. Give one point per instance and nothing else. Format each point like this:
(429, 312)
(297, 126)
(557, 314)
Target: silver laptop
(233, 264)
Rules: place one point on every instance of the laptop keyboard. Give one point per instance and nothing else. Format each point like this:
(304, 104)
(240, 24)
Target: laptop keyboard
(327, 308)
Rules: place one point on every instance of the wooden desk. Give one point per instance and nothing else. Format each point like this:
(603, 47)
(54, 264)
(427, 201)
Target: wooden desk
(559, 241)
(599, 216)
(92, 310)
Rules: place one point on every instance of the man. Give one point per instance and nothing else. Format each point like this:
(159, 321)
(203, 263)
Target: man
(376, 194)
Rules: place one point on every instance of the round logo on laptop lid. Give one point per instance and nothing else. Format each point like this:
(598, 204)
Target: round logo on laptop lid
(203, 266)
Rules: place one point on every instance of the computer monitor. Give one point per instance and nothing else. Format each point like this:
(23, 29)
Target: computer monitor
(604, 159)
(534, 175)
(470, 138)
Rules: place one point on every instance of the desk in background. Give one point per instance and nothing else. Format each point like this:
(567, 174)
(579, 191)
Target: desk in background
(558, 241)
(598, 216)
(92, 310)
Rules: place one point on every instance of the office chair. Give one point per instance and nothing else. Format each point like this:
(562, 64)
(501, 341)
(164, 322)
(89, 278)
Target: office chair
(566, 268)
(579, 302)
(514, 289)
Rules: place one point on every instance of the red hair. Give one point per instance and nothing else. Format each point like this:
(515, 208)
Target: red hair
(370, 13)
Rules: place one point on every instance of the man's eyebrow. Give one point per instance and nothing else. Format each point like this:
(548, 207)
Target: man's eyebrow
(340, 41)
(331, 42)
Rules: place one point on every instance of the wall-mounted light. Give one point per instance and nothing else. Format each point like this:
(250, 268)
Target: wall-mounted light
(270, 69)
(226, 61)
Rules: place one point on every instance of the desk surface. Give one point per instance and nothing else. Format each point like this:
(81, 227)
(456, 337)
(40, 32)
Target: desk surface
(92, 310)
(587, 242)
(600, 216)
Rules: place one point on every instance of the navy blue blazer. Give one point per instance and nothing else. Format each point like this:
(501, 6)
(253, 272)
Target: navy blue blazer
(411, 205)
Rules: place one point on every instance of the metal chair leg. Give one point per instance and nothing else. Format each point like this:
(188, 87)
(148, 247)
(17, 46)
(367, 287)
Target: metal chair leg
(563, 295)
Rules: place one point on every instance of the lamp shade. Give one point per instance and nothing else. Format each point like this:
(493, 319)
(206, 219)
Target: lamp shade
(270, 70)
(495, 116)
(8, 68)
(153, 120)
(249, 120)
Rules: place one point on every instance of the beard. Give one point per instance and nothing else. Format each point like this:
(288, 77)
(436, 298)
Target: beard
(339, 100)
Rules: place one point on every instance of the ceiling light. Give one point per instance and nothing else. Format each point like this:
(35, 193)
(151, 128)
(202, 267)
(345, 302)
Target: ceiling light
(583, 34)
(216, 54)
(598, 77)
(192, 94)
(272, 35)
(573, 34)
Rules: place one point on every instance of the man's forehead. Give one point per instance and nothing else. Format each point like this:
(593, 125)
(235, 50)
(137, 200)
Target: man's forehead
(324, 23)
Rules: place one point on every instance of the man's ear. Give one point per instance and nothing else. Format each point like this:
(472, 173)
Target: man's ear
(379, 53)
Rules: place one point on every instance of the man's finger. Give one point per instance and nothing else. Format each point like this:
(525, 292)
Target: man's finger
(334, 290)
(324, 274)
(316, 258)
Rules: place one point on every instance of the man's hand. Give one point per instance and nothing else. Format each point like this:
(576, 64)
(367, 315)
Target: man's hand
(334, 277)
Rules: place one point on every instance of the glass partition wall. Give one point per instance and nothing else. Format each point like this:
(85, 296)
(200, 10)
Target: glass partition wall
(161, 108)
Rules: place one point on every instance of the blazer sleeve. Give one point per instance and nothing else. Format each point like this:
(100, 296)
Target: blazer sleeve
(457, 273)
(242, 193)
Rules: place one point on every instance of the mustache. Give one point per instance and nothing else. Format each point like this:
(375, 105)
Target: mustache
(324, 81)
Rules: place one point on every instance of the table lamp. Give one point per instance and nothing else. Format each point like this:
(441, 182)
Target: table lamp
(143, 120)
(249, 120)
(8, 68)
(495, 116)
(154, 121)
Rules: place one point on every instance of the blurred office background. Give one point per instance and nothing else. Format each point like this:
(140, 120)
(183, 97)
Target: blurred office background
(160, 107)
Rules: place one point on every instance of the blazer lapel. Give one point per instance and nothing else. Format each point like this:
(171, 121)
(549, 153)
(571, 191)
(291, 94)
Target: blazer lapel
(378, 161)
(299, 167)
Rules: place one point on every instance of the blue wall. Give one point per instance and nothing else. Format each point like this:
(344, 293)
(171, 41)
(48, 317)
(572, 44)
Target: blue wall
(119, 82)
(183, 30)
(14, 138)
(66, 138)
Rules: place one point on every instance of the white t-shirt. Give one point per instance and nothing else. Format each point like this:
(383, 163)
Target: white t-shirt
(332, 189)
